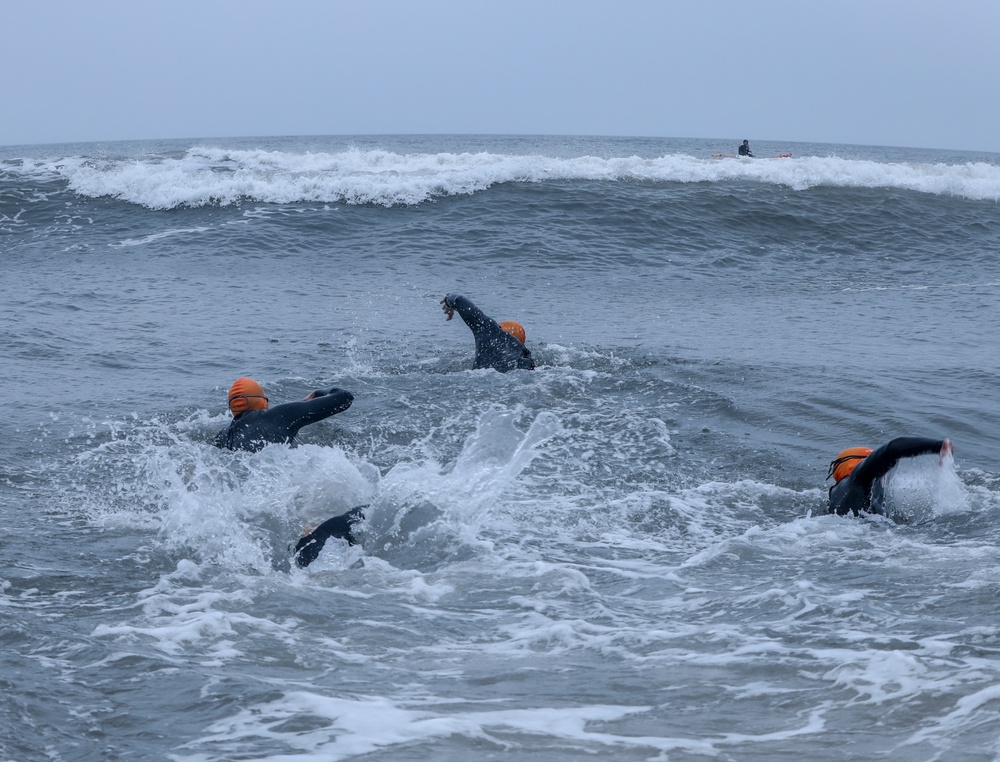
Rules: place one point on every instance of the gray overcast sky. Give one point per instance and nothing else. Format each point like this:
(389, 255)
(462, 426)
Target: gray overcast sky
(917, 73)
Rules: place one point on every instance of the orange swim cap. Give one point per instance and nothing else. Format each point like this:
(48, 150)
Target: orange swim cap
(846, 461)
(246, 394)
(514, 328)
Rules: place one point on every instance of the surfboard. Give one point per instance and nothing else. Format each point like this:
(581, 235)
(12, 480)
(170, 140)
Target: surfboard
(734, 156)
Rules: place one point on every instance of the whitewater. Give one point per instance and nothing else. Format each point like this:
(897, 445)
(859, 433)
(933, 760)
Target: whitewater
(623, 553)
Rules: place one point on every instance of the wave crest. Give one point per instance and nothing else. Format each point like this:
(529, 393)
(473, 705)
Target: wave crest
(206, 176)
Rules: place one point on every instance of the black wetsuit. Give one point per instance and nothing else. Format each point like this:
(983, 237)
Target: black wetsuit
(255, 429)
(495, 348)
(745, 151)
(854, 492)
(308, 548)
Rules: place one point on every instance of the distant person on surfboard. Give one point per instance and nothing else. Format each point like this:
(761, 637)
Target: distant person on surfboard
(498, 345)
(856, 472)
(255, 425)
(745, 149)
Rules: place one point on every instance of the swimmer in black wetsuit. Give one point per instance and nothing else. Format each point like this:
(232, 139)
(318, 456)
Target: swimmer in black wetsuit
(856, 470)
(254, 425)
(498, 345)
(745, 149)
(308, 548)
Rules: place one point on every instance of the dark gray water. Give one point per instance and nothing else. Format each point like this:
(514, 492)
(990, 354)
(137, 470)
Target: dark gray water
(622, 553)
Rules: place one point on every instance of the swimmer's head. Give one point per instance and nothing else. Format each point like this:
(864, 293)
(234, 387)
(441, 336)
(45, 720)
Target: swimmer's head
(246, 394)
(514, 328)
(846, 461)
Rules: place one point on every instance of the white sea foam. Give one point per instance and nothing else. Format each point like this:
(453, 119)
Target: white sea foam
(699, 582)
(353, 727)
(919, 489)
(159, 236)
(216, 176)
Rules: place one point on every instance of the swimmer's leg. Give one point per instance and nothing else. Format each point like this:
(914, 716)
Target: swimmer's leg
(307, 549)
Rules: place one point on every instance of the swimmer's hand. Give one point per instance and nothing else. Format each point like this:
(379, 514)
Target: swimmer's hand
(946, 449)
(321, 393)
(447, 309)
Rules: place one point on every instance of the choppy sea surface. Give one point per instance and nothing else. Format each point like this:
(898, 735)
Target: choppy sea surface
(621, 554)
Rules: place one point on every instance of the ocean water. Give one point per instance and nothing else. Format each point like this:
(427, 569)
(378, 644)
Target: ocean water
(623, 554)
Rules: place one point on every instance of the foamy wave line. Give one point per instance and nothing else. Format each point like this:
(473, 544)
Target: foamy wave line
(215, 176)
